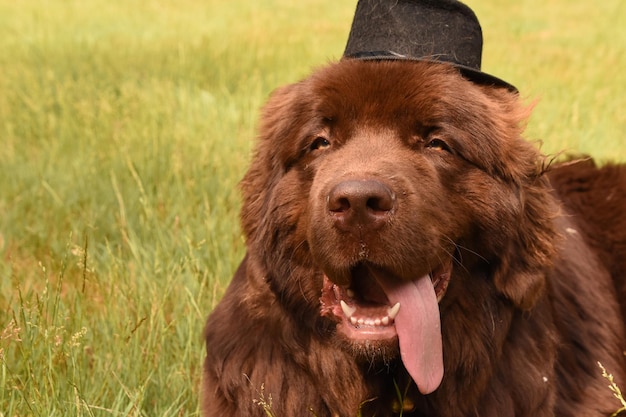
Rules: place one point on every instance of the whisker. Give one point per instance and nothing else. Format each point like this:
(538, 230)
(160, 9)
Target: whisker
(461, 247)
(302, 291)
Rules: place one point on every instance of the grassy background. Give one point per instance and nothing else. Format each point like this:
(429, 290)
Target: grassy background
(124, 128)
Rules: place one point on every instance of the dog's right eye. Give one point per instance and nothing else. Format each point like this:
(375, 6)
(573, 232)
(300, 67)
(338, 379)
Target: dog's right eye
(439, 145)
(319, 143)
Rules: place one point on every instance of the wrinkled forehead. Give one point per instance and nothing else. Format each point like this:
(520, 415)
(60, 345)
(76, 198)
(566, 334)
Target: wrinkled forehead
(397, 93)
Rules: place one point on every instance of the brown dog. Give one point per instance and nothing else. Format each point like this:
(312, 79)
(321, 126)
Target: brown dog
(407, 255)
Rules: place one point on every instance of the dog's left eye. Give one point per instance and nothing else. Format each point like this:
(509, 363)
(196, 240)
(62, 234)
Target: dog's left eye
(438, 144)
(319, 143)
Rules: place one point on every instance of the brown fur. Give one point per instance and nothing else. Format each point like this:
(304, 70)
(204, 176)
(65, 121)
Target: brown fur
(530, 307)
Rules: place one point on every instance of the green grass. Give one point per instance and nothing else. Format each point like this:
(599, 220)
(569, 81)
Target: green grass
(124, 129)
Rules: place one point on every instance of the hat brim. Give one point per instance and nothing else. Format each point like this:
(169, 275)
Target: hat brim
(471, 74)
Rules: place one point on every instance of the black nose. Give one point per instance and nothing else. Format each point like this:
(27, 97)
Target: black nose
(360, 204)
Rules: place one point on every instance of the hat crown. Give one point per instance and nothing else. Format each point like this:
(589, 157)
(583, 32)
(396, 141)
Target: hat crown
(434, 30)
(441, 30)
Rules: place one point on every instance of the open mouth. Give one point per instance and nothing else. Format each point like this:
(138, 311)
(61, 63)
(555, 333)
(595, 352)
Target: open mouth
(364, 304)
(375, 305)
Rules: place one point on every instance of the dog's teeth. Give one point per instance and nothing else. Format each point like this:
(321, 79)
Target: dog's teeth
(347, 310)
(393, 311)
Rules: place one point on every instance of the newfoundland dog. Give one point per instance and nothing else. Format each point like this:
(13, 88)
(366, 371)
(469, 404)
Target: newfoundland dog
(409, 253)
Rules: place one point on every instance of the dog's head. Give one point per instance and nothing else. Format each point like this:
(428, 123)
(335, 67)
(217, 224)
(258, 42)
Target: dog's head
(383, 186)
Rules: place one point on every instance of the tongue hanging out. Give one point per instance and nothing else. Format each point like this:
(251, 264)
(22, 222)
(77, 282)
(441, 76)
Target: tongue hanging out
(419, 330)
(379, 306)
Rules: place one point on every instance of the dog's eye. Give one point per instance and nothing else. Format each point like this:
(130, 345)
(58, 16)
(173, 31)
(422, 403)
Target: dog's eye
(439, 145)
(319, 143)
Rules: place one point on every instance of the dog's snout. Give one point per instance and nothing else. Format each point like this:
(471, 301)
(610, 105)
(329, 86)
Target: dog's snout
(360, 204)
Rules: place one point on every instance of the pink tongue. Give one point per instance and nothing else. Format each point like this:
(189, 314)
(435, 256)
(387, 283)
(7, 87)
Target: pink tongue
(419, 330)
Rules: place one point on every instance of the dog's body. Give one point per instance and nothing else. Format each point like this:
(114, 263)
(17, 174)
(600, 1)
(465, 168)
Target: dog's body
(384, 183)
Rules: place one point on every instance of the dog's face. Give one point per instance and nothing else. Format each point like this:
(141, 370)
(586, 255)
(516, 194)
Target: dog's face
(374, 186)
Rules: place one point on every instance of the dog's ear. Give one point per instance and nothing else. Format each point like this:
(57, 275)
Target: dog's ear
(281, 120)
(529, 241)
(530, 249)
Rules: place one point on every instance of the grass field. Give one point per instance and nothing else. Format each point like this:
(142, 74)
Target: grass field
(124, 129)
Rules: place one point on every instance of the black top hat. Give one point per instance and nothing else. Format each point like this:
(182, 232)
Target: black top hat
(422, 30)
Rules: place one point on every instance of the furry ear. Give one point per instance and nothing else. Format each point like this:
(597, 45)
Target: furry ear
(281, 119)
(524, 262)
(530, 243)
